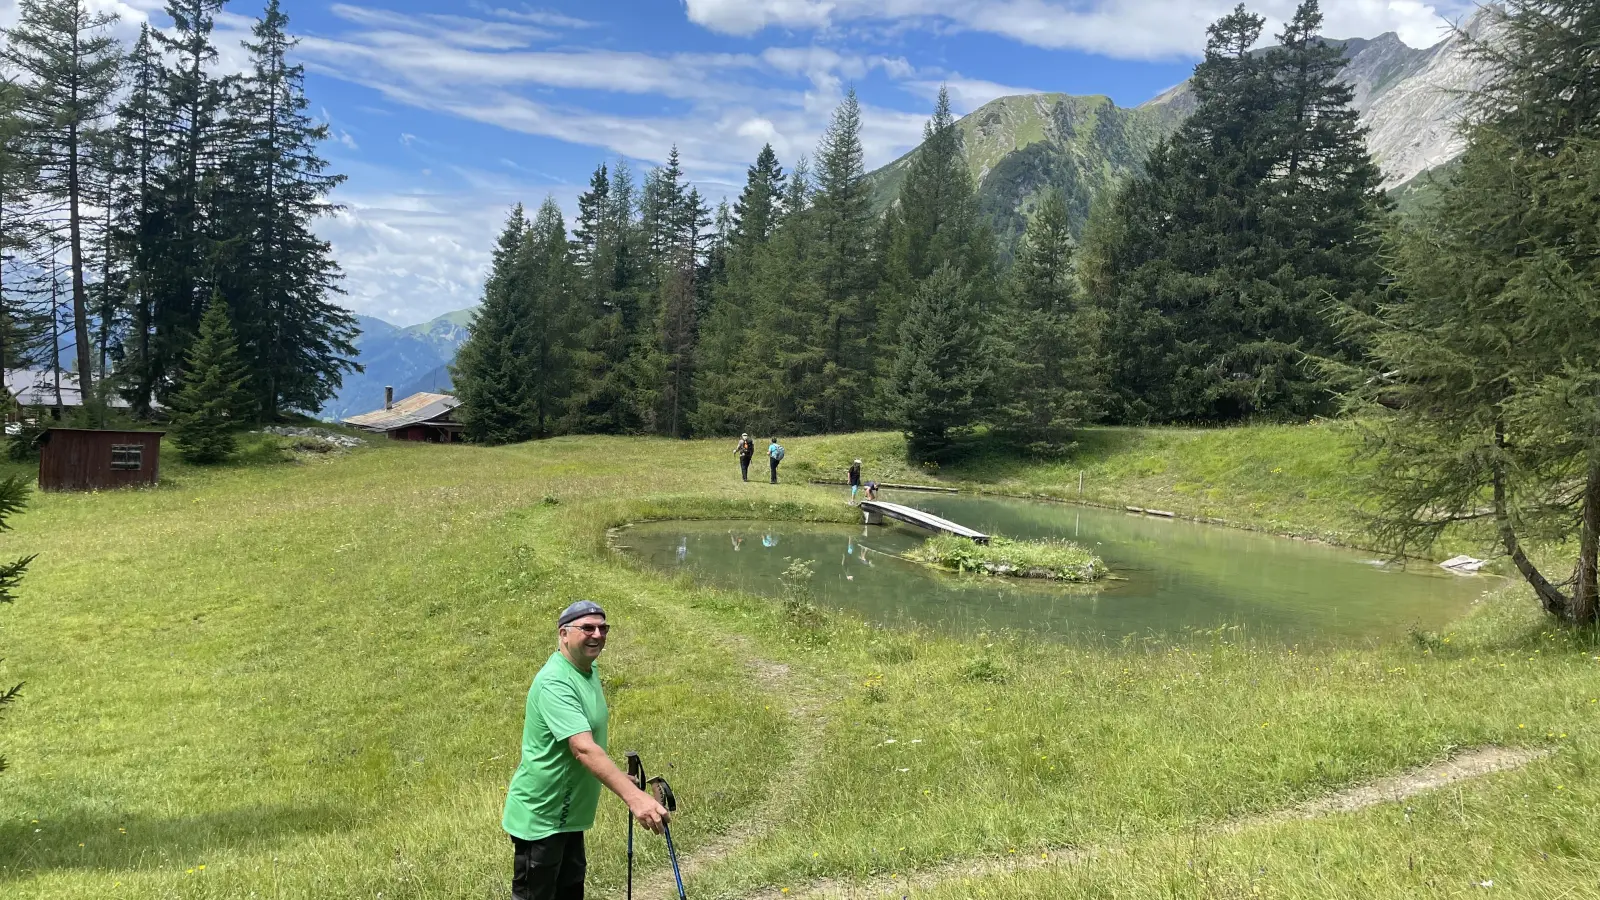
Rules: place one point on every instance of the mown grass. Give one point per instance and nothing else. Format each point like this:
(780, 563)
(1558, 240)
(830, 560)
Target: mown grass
(306, 680)
(1002, 556)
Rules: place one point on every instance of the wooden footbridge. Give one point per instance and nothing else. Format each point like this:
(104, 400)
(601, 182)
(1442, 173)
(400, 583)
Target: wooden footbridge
(875, 510)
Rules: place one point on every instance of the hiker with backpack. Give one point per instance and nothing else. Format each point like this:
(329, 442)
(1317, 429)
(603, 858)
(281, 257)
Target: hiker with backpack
(746, 451)
(774, 456)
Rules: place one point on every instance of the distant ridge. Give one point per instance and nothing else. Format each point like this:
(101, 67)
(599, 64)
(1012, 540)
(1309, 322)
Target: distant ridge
(408, 359)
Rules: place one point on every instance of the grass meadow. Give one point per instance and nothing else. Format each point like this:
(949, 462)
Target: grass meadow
(304, 678)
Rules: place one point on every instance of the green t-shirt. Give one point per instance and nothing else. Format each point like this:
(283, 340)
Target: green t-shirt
(552, 792)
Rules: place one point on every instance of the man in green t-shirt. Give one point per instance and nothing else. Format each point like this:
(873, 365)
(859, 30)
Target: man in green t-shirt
(553, 796)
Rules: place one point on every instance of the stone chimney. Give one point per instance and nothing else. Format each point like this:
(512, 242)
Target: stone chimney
(388, 396)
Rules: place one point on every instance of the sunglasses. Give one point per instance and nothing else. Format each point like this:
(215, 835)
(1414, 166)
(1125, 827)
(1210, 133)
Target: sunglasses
(592, 629)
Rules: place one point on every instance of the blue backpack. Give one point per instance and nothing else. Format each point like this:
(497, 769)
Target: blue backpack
(777, 452)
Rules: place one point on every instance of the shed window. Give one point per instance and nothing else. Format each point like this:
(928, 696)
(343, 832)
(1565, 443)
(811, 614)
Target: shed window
(127, 457)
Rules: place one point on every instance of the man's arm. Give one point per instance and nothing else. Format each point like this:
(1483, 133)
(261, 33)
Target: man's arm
(644, 807)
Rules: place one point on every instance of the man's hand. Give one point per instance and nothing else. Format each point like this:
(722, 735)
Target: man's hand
(644, 808)
(649, 813)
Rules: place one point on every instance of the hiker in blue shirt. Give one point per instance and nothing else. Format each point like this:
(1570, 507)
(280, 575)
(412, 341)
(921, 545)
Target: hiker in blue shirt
(774, 456)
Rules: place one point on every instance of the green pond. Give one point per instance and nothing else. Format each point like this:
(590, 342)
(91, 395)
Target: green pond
(1171, 577)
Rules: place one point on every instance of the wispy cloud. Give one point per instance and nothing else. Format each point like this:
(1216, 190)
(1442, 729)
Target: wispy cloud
(724, 105)
(1127, 29)
(966, 94)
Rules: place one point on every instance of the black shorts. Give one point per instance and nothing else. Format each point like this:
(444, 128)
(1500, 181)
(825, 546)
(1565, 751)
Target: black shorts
(551, 868)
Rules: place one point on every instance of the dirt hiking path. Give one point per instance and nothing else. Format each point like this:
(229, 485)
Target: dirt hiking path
(1465, 766)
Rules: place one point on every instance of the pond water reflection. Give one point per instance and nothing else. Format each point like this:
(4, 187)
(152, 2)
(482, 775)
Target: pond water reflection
(1172, 577)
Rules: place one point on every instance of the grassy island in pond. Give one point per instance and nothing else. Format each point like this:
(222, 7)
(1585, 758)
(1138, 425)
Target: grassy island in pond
(1054, 560)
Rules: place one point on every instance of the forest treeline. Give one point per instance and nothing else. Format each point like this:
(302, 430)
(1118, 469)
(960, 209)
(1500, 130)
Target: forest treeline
(1200, 291)
(140, 186)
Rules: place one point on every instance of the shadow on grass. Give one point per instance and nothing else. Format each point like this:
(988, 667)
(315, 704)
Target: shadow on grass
(988, 457)
(111, 842)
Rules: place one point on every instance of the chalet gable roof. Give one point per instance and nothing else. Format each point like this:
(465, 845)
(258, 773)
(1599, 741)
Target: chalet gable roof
(417, 409)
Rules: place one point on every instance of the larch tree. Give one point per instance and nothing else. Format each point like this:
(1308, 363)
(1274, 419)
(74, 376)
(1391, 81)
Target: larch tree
(69, 63)
(1482, 386)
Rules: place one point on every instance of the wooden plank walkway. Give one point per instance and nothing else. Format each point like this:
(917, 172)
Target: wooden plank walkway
(875, 510)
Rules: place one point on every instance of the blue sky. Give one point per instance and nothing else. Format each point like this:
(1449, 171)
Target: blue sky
(446, 112)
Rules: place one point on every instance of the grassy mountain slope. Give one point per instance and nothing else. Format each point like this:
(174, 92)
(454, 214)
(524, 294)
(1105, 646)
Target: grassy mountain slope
(1019, 146)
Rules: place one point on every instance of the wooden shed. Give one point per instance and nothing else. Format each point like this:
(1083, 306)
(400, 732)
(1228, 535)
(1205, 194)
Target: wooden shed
(81, 459)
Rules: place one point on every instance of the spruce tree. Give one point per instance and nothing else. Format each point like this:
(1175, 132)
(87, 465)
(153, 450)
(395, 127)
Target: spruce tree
(1481, 383)
(137, 223)
(295, 339)
(1048, 354)
(940, 380)
(13, 498)
(192, 145)
(214, 398)
(1227, 252)
(488, 371)
(69, 63)
(588, 232)
(549, 319)
(755, 215)
(842, 321)
(935, 223)
(604, 397)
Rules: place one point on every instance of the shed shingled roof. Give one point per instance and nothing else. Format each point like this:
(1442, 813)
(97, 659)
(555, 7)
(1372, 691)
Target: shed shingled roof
(413, 410)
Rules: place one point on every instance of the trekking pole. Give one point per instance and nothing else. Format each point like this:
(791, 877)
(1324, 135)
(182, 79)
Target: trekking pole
(663, 795)
(636, 775)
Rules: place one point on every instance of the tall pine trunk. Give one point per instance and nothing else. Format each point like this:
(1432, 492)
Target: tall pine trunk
(80, 300)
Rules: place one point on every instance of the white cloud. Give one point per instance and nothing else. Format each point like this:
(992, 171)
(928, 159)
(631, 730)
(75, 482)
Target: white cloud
(966, 94)
(726, 105)
(527, 14)
(1128, 29)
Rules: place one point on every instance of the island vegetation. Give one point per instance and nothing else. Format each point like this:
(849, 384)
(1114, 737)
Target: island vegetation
(1053, 560)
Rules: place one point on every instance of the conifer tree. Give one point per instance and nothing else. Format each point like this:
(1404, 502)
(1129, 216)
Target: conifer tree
(1048, 353)
(13, 497)
(604, 399)
(488, 371)
(21, 327)
(842, 322)
(69, 62)
(588, 232)
(191, 144)
(136, 211)
(1481, 379)
(935, 223)
(294, 338)
(940, 380)
(548, 317)
(755, 215)
(1227, 250)
(214, 398)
